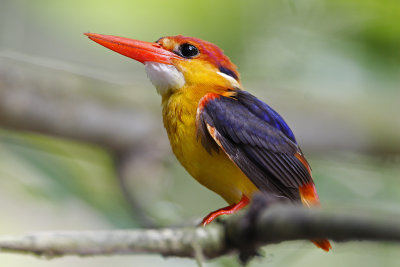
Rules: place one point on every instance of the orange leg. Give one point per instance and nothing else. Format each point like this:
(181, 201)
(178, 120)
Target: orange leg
(226, 210)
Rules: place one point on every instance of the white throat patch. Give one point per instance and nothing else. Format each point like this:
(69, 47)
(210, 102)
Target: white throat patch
(233, 82)
(164, 77)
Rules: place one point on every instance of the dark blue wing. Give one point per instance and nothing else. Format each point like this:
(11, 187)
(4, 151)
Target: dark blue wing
(265, 112)
(256, 139)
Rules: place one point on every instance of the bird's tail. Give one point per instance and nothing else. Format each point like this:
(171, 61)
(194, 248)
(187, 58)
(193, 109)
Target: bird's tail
(310, 198)
(323, 244)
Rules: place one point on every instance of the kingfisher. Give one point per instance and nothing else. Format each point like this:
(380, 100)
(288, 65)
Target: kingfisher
(227, 139)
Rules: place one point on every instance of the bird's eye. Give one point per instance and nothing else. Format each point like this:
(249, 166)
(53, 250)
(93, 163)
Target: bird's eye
(188, 50)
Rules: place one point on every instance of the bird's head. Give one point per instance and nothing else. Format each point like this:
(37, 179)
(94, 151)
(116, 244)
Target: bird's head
(176, 63)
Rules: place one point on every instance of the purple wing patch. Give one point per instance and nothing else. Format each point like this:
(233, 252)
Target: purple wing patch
(256, 138)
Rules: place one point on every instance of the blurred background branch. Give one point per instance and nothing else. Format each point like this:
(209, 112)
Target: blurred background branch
(56, 108)
(66, 105)
(60, 107)
(123, 161)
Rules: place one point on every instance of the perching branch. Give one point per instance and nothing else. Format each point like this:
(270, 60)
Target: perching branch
(168, 242)
(242, 233)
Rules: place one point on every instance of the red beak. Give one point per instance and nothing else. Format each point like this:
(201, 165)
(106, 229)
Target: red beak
(138, 50)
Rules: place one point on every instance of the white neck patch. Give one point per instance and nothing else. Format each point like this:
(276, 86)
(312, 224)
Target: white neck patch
(164, 77)
(233, 82)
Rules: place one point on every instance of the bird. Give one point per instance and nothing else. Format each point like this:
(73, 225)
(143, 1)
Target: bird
(227, 139)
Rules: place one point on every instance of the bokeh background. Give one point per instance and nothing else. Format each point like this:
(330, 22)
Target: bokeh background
(331, 68)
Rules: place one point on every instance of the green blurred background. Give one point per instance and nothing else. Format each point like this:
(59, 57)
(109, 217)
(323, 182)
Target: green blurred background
(331, 68)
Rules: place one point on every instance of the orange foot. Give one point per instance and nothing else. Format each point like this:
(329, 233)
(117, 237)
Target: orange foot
(226, 210)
